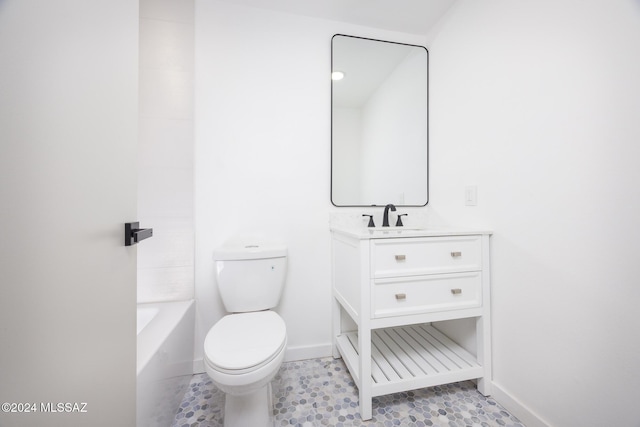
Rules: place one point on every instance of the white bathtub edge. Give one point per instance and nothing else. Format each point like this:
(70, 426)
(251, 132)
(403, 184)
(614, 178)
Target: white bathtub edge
(156, 332)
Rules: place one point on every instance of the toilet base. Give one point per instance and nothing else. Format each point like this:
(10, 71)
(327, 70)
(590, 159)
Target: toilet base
(253, 409)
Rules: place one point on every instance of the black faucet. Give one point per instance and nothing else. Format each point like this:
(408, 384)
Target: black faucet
(385, 217)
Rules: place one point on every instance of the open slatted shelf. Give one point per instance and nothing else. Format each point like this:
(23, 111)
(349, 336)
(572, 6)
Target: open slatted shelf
(408, 358)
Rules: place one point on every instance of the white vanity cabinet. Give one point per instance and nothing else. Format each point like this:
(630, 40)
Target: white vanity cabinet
(392, 285)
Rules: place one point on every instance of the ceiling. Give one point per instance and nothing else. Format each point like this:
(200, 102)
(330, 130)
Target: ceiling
(408, 16)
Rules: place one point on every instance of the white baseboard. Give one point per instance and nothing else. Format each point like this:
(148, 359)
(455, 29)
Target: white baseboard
(307, 352)
(516, 407)
(198, 366)
(290, 355)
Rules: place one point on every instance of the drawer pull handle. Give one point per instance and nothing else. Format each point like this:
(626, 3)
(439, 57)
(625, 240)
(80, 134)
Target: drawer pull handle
(456, 291)
(400, 257)
(400, 297)
(456, 254)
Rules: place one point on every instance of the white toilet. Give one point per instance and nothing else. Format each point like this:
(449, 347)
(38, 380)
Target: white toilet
(244, 350)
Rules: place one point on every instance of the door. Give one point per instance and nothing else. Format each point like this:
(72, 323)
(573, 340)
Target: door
(68, 132)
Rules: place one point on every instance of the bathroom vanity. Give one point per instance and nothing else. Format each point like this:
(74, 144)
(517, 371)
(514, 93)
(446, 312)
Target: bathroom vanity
(388, 287)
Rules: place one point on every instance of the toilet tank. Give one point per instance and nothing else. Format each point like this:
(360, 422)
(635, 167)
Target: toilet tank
(250, 277)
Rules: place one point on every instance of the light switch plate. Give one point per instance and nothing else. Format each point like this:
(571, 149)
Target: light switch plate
(471, 195)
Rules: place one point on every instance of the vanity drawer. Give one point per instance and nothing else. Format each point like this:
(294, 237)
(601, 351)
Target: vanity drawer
(418, 256)
(396, 297)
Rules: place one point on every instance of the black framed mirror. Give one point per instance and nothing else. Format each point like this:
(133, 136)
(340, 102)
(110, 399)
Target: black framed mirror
(379, 122)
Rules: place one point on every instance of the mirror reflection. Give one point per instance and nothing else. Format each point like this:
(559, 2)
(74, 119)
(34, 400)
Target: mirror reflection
(379, 123)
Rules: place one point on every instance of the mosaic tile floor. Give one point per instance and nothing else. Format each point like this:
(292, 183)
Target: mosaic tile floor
(320, 392)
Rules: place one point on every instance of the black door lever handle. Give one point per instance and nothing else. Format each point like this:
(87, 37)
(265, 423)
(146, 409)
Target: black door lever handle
(134, 234)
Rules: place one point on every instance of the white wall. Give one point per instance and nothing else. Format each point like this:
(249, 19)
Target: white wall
(165, 153)
(394, 131)
(262, 135)
(346, 151)
(68, 134)
(538, 103)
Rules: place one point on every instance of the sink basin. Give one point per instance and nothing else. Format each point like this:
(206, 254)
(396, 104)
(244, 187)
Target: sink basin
(392, 230)
(406, 227)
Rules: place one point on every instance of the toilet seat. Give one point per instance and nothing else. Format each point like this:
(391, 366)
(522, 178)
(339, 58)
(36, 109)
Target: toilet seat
(243, 342)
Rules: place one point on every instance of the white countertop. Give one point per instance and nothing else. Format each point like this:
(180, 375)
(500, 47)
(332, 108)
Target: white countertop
(395, 232)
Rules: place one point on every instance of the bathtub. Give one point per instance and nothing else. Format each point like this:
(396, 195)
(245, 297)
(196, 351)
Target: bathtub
(164, 360)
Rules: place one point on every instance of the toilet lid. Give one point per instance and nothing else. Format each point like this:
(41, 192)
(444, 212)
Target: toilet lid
(243, 340)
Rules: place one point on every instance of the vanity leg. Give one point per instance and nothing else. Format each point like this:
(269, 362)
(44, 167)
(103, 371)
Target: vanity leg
(484, 383)
(337, 327)
(364, 390)
(483, 325)
(483, 338)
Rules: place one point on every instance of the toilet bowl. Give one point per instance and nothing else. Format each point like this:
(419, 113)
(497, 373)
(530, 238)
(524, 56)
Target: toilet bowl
(243, 353)
(244, 350)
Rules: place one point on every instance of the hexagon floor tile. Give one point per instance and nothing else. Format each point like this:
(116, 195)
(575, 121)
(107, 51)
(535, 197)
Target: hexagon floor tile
(320, 392)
